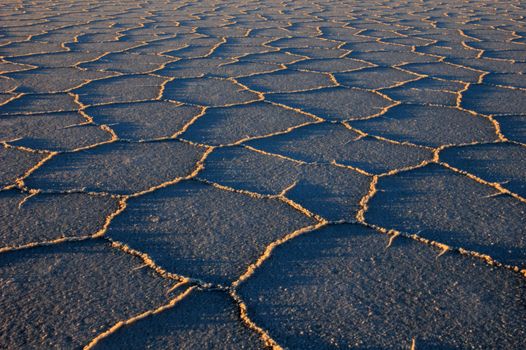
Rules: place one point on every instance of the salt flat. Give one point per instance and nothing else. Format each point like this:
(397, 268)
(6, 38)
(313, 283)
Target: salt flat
(262, 174)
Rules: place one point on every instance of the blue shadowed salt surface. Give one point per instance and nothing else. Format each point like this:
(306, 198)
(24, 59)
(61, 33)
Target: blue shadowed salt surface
(247, 175)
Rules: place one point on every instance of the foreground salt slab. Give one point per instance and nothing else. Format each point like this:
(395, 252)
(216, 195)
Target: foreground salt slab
(39, 103)
(445, 71)
(450, 208)
(489, 65)
(330, 65)
(514, 127)
(56, 59)
(118, 167)
(344, 287)
(334, 103)
(226, 125)
(128, 88)
(393, 58)
(329, 191)
(199, 231)
(274, 57)
(201, 320)
(427, 91)
(504, 163)
(216, 67)
(327, 143)
(15, 163)
(30, 47)
(494, 100)
(65, 295)
(144, 120)
(45, 80)
(506, 79)
(375, 78)
(429, 126)
(128, 63)
(208, 92)
(51, 131)
(28, 220)
(287, 81)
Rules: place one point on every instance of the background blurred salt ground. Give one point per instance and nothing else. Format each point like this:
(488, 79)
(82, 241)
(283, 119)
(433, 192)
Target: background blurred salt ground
(296, 174)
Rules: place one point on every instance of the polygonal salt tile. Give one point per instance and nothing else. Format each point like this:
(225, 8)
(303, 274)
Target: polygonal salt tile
(369, 46)
(393, 58)
(49, 80)
(329, 191)
(47, 217)
(427, 91)
(15, 163)
(504, 163)
(430, 83)
(445, 71)
(53, 132)
(159, 46)
(40, 103)
(30, 47)
(494, 66)
(144, 120)
(203, 318)
(379, 33)
(339, 33)
(411, 95)
(4, 98)
(208, 92)
(304, 30)
(235, 51)
(269, 32)
(489, 36)
(336, 103)
(450, 208)
(191, 51)
(332, 142)
(494, 100)
(195, 47)
(317, 52)
(193, 68)
(119, 167)
(214, 67)
(7, 85)
(286, 81)
(374, 78)
(244, 68)
(8, 67)
(340, 287)
(275, 57)
(223, 31)
(513, 127)
(408, 41)
(121, 89)
(200, 231)
(509, 79)
(518, 55)
(56, 59)
(98, 37)
(231, 124)
(56, 35)
(103, 47)
(128, 63)
(429, 126)
(65, 295)
(304, 42)
(452, 51)
(330, 65)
